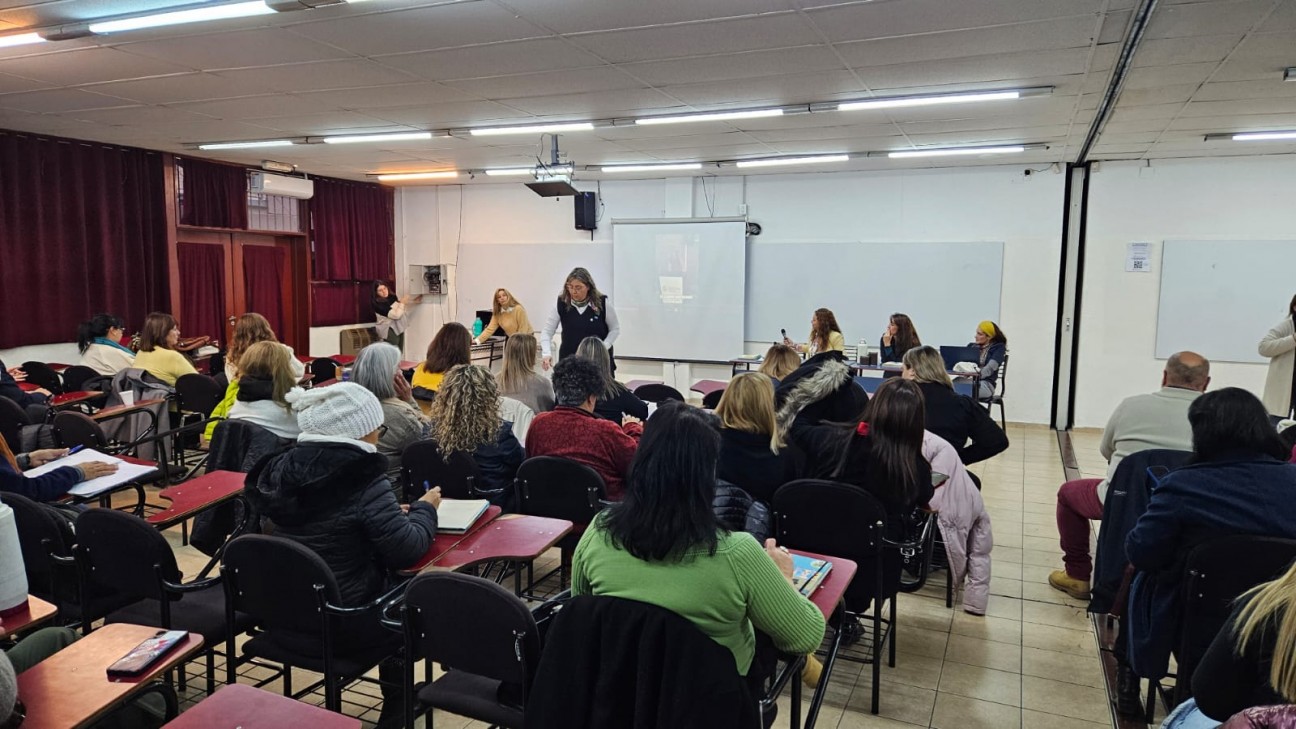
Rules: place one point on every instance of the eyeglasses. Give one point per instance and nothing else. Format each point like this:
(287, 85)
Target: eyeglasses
(15, 719)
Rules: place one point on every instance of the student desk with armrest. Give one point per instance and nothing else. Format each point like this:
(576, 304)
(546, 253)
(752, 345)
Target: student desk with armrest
(247, 707)
(29, 616)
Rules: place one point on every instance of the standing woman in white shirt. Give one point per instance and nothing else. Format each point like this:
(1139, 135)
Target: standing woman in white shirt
(1279, 345)
(99, 341)
(582, 311)
(391, 313)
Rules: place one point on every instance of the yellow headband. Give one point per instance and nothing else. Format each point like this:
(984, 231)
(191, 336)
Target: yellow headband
(987, 328)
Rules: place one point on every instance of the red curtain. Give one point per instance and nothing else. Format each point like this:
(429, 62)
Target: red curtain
(352, 227)
(82, 231)
(202, 290)
(214, 195)
(339, 303)
(263, 281)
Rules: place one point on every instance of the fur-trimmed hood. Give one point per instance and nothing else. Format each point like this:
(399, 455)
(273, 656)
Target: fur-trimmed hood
(820, 378)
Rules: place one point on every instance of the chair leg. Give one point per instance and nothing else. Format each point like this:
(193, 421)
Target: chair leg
(892, 633)
(184, 677)
(287, 681)
(1003, 418)
(1151, 700)
(877, 653)
(949, 586)
(211, 670)
(231, 677)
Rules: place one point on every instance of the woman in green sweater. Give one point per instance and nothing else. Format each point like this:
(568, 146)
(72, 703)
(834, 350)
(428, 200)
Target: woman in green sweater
(663, 545)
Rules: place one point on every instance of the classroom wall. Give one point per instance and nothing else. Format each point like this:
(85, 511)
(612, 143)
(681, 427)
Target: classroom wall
(990, 203)
(1238, 198)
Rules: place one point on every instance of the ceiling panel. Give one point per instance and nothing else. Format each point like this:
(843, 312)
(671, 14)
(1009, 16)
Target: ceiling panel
(1155, 77)
(241, 49)
(1046, 35)
(983, 69)
(421, 29)
(87, 66)
(57, 100)
(781, 30)
(452, 115)
(726, 67)
(776, 90)
(885, 19)
(580, 80)
(383, 97)
(602, 104)
(574, 16)
(317, 76)
(497, 59)
(254, 107)
(172, 89)
(1206, 18)
(1170, 51)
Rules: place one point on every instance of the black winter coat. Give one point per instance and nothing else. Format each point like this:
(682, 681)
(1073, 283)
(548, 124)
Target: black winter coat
(747, 462)
(335, 499)
(958, 419)
(625, 403)
(821, 390)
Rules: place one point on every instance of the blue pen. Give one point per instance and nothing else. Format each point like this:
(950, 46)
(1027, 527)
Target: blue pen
(426, 487)
(74, 449)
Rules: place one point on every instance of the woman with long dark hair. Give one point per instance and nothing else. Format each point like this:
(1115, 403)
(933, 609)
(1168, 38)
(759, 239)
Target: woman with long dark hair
(881, 452)
(616, 401)
(99, 341)
(451, 346)
(391, 313)
(582, 311)
(1279, 345)
(899, 337)
(663, 545)
(825, 335)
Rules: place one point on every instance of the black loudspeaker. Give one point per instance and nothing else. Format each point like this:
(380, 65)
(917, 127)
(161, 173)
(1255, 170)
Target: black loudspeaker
(585, 204)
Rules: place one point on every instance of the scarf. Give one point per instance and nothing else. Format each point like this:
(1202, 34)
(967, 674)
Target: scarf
(382, 307)
(255, 389)
(110, 343)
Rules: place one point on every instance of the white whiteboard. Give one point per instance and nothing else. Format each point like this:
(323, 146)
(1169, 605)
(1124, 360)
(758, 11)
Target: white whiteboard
(533, 272)
(946, 288)
(679, 288)
(1220, 297)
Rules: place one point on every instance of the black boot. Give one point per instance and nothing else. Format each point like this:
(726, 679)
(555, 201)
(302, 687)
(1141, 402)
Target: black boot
(1129, 702)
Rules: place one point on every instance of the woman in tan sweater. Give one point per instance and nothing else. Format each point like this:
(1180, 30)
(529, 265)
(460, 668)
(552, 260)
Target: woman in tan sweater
(506, 314)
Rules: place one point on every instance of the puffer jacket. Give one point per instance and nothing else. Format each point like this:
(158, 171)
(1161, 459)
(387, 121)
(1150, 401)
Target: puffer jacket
(820, 390)
(964, 524)
(335, 499)
(739, 512)
(1264, 717)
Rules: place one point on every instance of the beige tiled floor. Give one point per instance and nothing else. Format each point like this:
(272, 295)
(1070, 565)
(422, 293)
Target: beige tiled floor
(1031, 663)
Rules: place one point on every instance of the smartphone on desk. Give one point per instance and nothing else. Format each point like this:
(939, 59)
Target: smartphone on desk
(144, 655)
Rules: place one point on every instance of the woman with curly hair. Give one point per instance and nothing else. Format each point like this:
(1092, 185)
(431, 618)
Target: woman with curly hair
(465, 418)
(248, 330)
(899, 337)
(825, 335)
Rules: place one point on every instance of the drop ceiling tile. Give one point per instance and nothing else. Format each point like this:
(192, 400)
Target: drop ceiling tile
(1142, 125)
(851, 131)
(10, 84)
(1240, 107)
(1155, 77)
(172, 89)
(1045, 35)
(885, 19)
(138, 116)
(1228, 90)
(421, 29)
(1171, 51)
(774, 89)
(1238, 123)
(1250, 69)
(983, 69)
(439, 116)
(59, 100)
(332, 122)
(240, 49)
(45, 124)
(716, 139)
(209, 131)
(1208, 18)
(1109, 151)
(581, 80)
(496, 59)
(857, 145)
(1138, 113)
(602, 104)
(254, 107)
(1143, 138)
(660, 42)
(385, 97)
(731, 66)
(727, 152)
(575, 16)
(317, 76)
(1157, 95)
(1114, 27)
(87, 66)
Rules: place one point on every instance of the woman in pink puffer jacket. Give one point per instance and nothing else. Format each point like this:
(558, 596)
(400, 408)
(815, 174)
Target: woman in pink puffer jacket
(964, 524)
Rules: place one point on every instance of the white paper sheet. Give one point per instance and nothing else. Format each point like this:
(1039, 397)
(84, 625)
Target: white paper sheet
(125, 472)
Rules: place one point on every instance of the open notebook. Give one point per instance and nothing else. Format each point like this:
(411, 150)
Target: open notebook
(808, 574)
(456, 516)
(125, 472)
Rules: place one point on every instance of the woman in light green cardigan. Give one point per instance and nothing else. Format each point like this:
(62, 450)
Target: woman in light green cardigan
(663, 545)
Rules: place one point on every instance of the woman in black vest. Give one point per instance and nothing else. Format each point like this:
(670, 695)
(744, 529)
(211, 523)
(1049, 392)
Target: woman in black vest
(582, 311)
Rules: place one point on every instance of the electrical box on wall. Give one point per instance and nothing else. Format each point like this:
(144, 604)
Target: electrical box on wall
(427, 279)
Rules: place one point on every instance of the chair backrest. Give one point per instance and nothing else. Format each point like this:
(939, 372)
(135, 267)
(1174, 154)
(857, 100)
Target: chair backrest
(1003, 375)
(833, 518)
(1216, 573)
(40, 534)
(124, 551)
(955, 354)
(472, 624)
(198, 393)
(324, 369)
(76, 429)
(12, 420)
(274, 580)
(39, 373)
(712, 399)
(559, 488)
(77, 377)
(421, 462)
(657, 392)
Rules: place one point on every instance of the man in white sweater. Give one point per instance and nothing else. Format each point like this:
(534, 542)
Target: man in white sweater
(1155, 420)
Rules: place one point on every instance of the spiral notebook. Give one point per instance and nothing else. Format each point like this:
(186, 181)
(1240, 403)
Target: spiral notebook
(456, 516)
(808, 574)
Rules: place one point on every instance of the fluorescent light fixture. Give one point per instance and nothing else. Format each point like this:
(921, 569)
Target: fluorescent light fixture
(533, 129)
(1263, 136)
(718, 116)
(903, 101)
(196, 15)
(394, 137)
(781, 161)
(537, 171)
(668, 167)
(248, 145)
(21, 39)
(401, 176)
(1289, 74)
(949, 151)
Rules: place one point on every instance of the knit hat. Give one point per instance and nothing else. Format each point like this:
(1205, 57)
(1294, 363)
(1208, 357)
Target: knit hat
(987, 328)
(8, 687)
(344, 410)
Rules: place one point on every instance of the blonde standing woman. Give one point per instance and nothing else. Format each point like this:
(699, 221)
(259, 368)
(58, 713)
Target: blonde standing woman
(518, 378)
(507, 314)
(1252, 661)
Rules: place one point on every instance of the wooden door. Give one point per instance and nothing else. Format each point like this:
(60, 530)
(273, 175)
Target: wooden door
(266, 283)
(206, 293)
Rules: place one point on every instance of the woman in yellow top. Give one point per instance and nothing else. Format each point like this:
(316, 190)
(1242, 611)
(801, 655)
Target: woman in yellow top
(157, 349)
(825, 335)
(507, 314)
(451, 346)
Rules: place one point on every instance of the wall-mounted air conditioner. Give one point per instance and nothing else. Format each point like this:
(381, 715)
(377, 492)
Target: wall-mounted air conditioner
(264, 182)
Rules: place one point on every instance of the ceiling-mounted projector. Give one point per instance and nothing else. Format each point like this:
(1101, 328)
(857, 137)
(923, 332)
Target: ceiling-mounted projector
(549, 185)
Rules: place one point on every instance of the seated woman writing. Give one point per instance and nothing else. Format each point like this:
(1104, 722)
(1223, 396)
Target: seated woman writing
(51, 486)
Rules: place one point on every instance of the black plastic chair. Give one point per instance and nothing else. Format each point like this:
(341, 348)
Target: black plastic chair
(998, 397)
(485, 635)
(128, 553)
(657, 392)
(844, 521)
(72, 429)
(1217, 573)
(12, 421)
(458, 476)
(712, 399)
(42, 375)
(324, 369)
(80, 377)
(292, 596)
(559, 488)
(198, 393)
